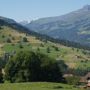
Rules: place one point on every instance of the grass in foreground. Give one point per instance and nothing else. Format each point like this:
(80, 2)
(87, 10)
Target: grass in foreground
(37, 86)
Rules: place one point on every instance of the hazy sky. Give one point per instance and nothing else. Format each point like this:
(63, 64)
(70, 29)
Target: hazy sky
(33, 9)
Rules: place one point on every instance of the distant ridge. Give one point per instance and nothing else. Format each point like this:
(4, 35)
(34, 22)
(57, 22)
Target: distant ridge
(6, 22)
(74, 26)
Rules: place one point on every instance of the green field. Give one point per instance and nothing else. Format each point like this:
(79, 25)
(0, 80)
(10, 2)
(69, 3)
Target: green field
(37, 86)
(73, 57)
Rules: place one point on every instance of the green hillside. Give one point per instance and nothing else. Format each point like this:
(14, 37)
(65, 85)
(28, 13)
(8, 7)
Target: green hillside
(14, 39)
(72, 56)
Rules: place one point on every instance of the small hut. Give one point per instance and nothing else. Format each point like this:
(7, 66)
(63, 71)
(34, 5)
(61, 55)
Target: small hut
(67, 75)
(85, 81)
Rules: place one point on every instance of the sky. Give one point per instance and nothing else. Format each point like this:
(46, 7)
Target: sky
(20, 10)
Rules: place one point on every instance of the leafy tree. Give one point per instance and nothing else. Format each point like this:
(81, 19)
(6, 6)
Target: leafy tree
(1, 76)
(62, 66)
(2, 63)
(38, 49)
(3, 36)
(8, 40)
(25, 39)
(56, 48)
(72, 80)
(9, 35)
(28, 66)
(42, 45)
(48, 50)
(20, 46)
(13, 38)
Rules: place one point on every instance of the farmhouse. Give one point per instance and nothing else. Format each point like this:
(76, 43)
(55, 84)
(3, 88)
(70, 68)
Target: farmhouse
(67, 75)
(85, 80)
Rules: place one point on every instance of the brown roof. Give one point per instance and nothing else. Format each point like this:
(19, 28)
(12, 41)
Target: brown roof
(88, 84)
(87, 75)
(67, 75)
(83, 80)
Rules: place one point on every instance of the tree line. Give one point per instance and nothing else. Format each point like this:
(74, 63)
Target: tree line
(28, 66)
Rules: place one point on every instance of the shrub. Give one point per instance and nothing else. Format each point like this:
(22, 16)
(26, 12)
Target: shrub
(3, 36)
(1, 76)
(25, 39)
(13, 38)
(72, 80)
(10, 35)
(38, 49)
(48, 50)
(8, 40)
(20, 46)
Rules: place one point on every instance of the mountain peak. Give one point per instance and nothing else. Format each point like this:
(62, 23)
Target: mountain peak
(24, 22)
(86, 7)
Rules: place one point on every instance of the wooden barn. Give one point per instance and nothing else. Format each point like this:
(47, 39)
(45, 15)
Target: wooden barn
(85, 81)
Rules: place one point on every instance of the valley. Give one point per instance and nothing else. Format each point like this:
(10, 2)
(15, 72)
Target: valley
(50, 53)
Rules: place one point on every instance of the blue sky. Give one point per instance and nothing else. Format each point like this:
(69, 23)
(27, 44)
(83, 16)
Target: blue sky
(34, 9)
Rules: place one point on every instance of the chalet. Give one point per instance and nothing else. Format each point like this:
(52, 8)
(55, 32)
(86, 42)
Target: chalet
(85, 81)
(67, 75)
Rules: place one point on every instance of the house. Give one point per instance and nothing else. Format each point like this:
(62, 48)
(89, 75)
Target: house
(85, 81)
(67, 75)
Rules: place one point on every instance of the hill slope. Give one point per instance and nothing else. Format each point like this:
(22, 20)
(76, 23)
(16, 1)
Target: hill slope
(15, 33)
(74, 26)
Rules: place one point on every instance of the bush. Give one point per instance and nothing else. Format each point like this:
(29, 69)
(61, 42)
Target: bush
(8, 40)
(72, 80)
(42, 45)
(13, 38)
(25, 39)
(2, 63)
(1, 66)
(1, 76)
(62, 66)
(38, 49)
(28, 66)
(48, 50)
(9, 35)
(3, 36)
(21, 46)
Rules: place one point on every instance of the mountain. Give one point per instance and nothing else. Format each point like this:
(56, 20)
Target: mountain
(24, 22)
(15, 37)
(74, 26)
(7, 25)
(8, 20)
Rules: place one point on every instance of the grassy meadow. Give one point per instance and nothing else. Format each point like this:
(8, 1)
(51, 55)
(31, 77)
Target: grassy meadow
(37, 86)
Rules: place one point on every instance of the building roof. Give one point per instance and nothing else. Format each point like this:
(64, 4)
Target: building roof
(67, 75)
(87, 75)
(85, 78)
(88, 84)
